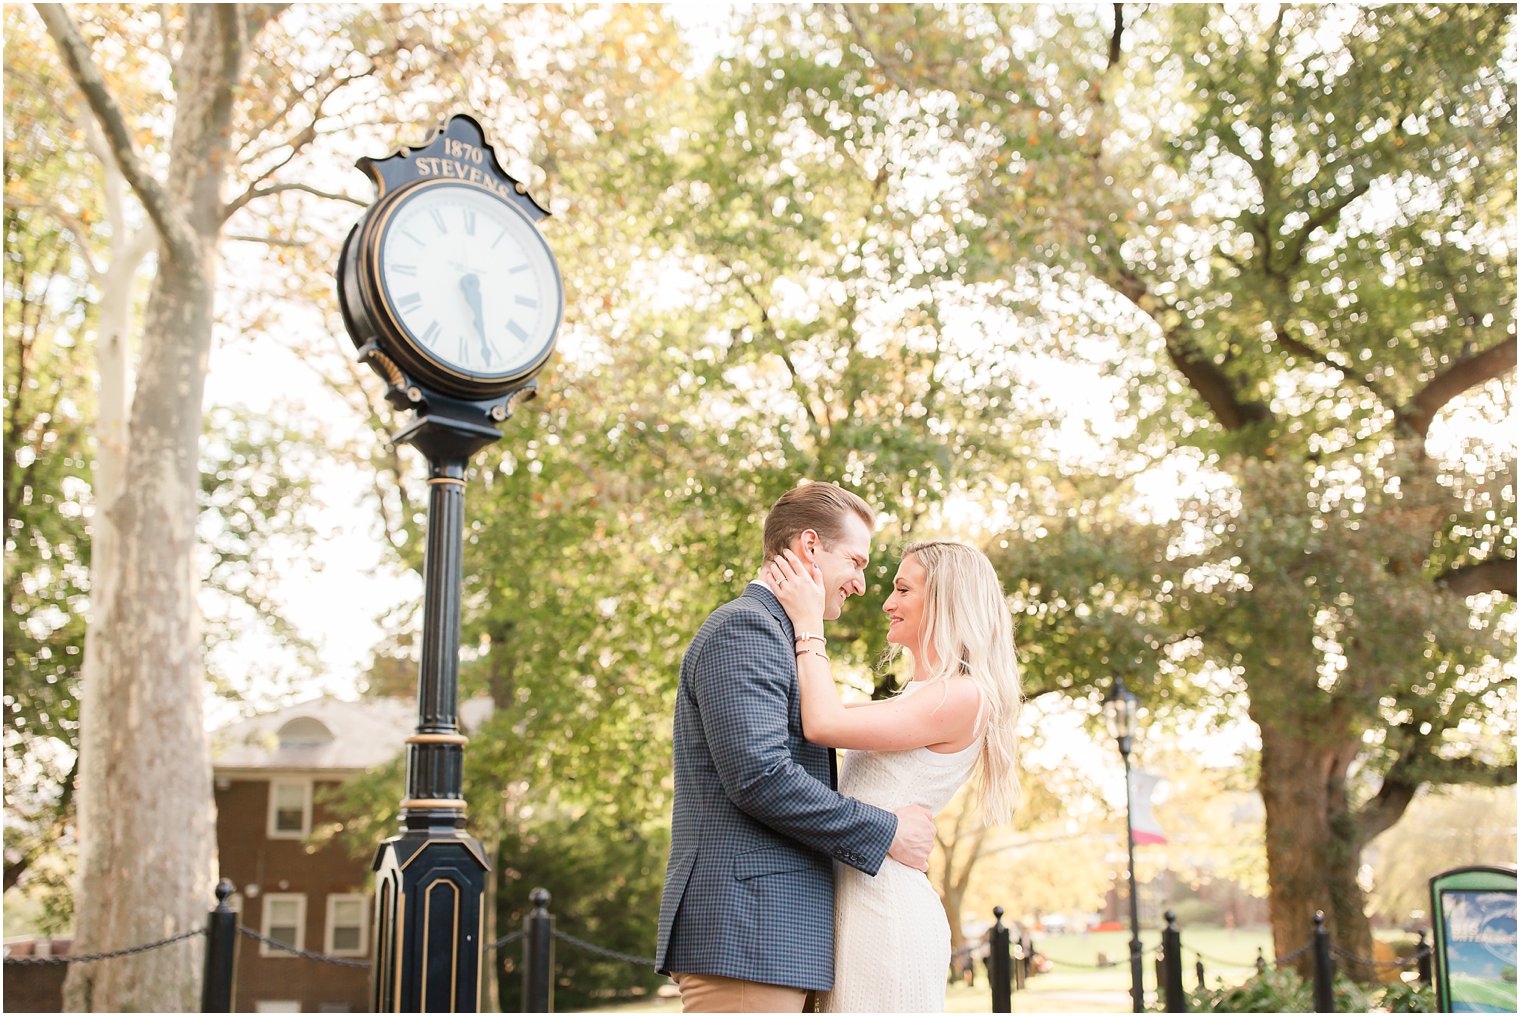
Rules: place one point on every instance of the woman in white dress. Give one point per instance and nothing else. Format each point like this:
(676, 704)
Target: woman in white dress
(958, 713)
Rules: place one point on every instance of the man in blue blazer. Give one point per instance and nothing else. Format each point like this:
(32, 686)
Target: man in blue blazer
(747, 913)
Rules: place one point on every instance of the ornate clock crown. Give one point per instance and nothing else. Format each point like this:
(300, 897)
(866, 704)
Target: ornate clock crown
(456, 150)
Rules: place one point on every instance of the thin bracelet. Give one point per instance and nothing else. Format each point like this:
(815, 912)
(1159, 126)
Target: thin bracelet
(804, 652)
(806, 636)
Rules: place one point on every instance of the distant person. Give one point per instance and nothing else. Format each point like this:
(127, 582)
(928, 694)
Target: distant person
(747, 912)
(948, 610)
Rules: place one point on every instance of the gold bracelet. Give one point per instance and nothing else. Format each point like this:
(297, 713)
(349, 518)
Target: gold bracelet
(806, 636)
(804, 652)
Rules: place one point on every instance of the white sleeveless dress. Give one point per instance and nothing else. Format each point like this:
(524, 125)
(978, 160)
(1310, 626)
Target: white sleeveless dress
(891, 937)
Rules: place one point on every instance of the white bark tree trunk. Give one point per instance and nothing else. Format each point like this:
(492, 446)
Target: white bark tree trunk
(116, 280)
(146, 813)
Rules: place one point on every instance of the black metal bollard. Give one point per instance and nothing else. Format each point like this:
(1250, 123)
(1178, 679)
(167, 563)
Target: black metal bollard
(1171, 957)
(1261, 962)
(1199, 967)
(221, 953)
(1324, 967)
(538, 955)
(1422, 960)
(1021, 961)
(1000, 965)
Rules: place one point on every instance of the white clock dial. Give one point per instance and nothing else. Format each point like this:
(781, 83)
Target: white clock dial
(470, 280)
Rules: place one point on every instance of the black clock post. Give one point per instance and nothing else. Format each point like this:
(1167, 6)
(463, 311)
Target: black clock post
(454, 299)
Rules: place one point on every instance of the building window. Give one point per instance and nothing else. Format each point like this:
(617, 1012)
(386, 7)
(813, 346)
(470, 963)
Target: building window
(285, 922)
(277, 1005)
(347, 924)
(289, 809)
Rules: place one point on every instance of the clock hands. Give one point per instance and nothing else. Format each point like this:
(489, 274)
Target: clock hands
(470, 284)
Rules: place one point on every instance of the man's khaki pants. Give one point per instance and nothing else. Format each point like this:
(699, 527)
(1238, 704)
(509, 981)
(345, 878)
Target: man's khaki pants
(713, 993)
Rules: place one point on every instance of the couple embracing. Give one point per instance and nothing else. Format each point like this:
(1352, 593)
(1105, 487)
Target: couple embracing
(793, 883)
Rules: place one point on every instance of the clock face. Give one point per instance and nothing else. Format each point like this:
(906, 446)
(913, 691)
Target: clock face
(469, 279)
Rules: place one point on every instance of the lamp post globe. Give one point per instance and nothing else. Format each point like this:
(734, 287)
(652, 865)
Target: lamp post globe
(1120, 710)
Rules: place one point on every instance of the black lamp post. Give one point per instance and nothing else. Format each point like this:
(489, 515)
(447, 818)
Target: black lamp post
(1119, 708)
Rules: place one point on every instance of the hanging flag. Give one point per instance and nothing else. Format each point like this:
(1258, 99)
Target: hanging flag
(1142, 785)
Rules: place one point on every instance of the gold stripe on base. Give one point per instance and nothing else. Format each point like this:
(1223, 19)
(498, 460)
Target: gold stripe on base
(458, 739)
(446, 479)
(432, 802)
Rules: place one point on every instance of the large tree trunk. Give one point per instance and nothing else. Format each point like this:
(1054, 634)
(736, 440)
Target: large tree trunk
(1312, 855)
(147, 826)
(146, 818)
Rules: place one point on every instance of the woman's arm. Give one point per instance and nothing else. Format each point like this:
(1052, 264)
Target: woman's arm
(941, 716)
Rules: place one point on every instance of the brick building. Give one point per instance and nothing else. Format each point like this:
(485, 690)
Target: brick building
(296, 881)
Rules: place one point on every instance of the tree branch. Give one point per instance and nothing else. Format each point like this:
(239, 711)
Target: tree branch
(1323, 216)
(172, 226)
(1213, 386)
(1462, 376)
(254, 193)
(1294, 344)
(1411, 772)
(1114, 51)
(1496, 576)
(268, 241)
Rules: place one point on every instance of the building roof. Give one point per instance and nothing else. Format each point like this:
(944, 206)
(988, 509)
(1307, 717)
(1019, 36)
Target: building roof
(328, 734)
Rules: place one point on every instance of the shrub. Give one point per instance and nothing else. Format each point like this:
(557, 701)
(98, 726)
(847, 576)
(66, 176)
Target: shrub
(1285, 991)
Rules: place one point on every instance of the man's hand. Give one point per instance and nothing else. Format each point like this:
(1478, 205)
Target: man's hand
(915, 837)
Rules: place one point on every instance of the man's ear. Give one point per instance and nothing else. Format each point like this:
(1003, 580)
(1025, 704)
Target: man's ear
(808, 540)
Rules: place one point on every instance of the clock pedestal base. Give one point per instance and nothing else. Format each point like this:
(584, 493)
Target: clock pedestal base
(429, 923)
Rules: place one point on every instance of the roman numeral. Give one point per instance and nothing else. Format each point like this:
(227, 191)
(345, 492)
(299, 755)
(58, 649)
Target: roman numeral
(407, 302)
(469, 221)
(412, 237)
(520, 268)
(438, 220)
(431, 333)
(526, 301)
(498, 238)
(517, 330)
(410, 270)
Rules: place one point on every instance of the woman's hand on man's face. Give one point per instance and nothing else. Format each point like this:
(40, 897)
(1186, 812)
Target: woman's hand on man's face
(799, 587)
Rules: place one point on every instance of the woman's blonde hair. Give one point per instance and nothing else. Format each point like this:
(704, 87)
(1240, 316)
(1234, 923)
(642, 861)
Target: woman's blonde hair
(968, 632)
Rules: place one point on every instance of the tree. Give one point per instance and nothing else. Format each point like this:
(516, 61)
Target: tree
(144, 762)
(1307, 215)
(73, 287)
(232, 124)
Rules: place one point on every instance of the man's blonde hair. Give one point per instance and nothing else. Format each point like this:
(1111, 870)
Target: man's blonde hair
(821, 507)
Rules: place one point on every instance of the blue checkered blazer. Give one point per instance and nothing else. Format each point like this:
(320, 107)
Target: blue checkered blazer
(749, 889)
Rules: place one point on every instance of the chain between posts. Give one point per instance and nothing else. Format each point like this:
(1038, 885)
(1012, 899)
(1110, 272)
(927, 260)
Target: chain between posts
(611, 954)
(1351, 957)
(43, 961)
(303, 953)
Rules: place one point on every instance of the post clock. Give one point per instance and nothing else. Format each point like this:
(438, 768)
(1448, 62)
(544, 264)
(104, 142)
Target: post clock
(452, 295)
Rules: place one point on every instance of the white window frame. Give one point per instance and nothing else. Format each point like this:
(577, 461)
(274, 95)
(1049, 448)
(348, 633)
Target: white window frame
(333, 899)
(271, 830)
(269, 900)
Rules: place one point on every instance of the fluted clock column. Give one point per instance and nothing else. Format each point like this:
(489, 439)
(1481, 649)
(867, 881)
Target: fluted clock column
(435, 753)
(430, 880)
